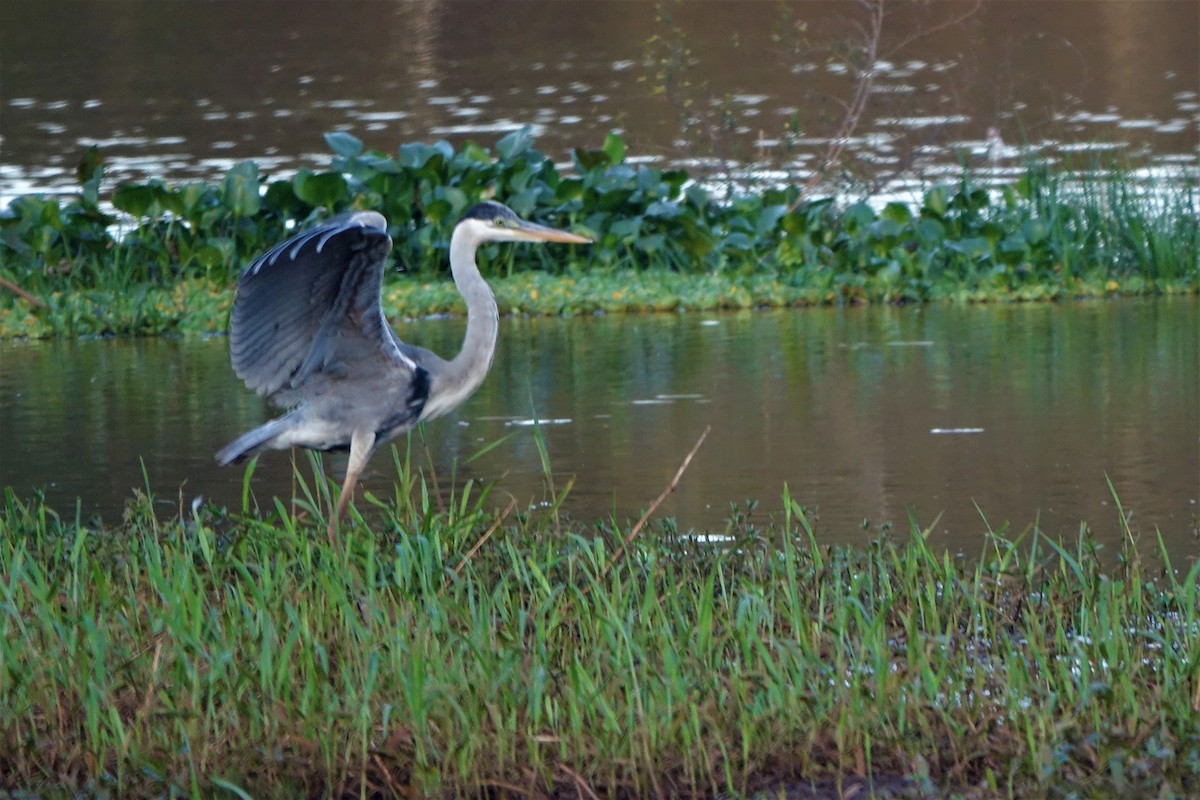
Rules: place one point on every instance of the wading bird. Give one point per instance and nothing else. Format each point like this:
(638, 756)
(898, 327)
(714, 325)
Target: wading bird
(308, 331)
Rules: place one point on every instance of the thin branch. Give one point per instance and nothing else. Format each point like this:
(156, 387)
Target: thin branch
(657, 502)
(487, 535)
(581, 785)
(858, 103)
(921, 34)
(872, 34)
(24, 295)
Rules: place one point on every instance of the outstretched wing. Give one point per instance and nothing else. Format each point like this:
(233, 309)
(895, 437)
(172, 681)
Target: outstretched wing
(310, 306)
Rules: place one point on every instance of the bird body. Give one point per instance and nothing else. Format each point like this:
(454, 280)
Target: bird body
(308, 331)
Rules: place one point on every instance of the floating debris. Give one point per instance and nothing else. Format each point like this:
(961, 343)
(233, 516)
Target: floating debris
(955, 431)
(526, 423)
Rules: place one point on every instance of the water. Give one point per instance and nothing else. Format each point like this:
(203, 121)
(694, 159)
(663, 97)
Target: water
(1020, 413)
(183, 90)
(1025, 411)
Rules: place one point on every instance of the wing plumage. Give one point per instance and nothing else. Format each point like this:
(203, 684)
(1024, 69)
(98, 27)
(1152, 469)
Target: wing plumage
(310, 307)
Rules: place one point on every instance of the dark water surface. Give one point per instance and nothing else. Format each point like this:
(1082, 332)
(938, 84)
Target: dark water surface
(183, 89)
(1024, 411)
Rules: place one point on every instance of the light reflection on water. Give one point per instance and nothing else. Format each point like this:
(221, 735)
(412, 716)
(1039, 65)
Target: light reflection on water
(1059, 80)
(1015, 412)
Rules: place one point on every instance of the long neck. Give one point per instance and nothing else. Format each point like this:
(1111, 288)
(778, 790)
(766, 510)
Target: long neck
(467, 370)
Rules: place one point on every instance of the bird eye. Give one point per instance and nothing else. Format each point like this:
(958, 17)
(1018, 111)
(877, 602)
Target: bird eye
(499, 222)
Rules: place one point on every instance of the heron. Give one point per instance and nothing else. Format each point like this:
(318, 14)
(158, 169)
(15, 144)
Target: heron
(307, 331)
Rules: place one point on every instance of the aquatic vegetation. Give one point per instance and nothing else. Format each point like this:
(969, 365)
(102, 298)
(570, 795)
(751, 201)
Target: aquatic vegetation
(1044, 237)
(452, 650)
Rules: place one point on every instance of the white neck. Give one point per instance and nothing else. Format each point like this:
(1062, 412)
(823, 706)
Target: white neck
(467, 370)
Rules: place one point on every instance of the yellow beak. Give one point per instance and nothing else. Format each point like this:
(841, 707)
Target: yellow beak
(531, 231)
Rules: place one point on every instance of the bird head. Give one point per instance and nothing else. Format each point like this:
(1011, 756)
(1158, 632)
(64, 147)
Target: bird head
(490, 221)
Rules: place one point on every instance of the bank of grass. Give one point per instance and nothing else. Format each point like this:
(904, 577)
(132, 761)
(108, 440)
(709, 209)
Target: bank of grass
(450, 650)
(168, 261)
(198, 307)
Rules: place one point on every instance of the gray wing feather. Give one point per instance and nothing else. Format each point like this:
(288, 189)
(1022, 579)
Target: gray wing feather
(311, 305)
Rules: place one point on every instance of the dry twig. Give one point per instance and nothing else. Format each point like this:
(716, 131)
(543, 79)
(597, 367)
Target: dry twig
(487, 535)
(21, 293)
(658, 501)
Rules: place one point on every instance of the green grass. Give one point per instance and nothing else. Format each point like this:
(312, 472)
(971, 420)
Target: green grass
(453, 651)
(196, 307)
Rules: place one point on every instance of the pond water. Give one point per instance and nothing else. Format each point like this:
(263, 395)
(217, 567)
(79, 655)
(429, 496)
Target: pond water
(182, 90)
(1020, 413)
(1024, 411)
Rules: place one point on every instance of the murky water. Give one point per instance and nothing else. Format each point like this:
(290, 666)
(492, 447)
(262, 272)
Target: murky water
(864, 413)
(1023, 411)
(181, 90)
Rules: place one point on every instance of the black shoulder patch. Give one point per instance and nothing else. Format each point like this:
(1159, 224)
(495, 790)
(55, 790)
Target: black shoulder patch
(422, 382)
(407, 416)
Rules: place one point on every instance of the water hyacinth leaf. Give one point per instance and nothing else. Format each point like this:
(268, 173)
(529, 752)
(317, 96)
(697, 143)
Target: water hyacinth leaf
(992, 232)
(661, 209)
(1035, 231)
(589, 160)
(697, 196)
(281, 196)
(675, 180)
(736, 241)
(192, 197)
(969, 200)
(857, 217)
(515, 143)
(884, 229)
(324, 190)
(379, 163)
(930, 232)
(649, 182)
(218, 252)
(626, 228)
(652, 243)
(414, 155)
(567, 190)
(897, 212)
(1012, 249)
(89, 164)
(240, 189)
(973, 247)
(890, 272)
(429, 158)
(474, 153)
(523, 202)
(344, 144)
(768, 220)
(135, 199)
(519, 179)
(455, 197)
(90, 171)
(936, 201)
(614, 148)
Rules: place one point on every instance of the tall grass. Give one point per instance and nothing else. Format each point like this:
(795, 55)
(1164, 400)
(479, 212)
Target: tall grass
(451, 651)
(1142, 230)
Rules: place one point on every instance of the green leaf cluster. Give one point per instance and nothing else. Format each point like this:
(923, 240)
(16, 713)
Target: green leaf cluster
(1043, 236)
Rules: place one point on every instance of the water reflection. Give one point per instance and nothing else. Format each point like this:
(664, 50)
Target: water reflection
(1024, 411)
(1058, 77)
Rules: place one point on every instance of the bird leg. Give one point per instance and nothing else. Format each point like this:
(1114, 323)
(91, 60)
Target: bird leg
(361, 444)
